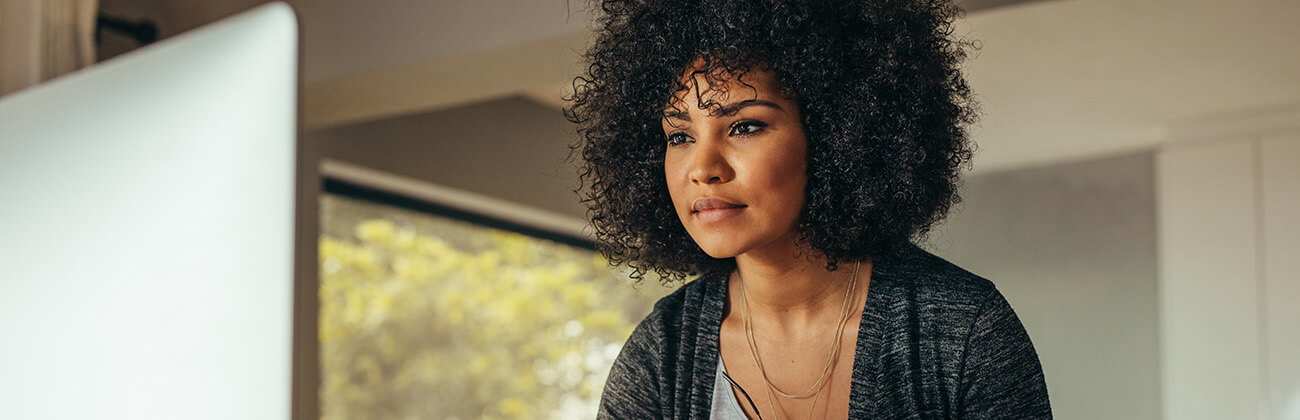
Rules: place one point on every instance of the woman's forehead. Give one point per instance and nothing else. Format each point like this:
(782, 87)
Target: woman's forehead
(717, 87)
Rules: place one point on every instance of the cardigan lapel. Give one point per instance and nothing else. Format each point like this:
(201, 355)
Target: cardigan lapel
(707, 335)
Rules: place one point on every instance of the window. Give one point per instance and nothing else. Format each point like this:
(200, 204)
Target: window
(426, 316)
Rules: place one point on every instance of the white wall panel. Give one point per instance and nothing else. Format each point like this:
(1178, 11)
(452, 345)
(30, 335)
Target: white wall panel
(1209, 311)
(1280, 184)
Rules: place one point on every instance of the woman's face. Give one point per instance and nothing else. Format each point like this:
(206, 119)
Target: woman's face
(737, 176)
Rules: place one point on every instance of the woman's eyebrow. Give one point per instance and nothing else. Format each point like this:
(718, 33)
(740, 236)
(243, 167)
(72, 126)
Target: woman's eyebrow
(733, 108)
(677, 114)
(728, 109)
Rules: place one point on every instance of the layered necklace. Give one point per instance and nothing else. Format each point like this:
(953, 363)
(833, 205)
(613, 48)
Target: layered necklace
(816, 388)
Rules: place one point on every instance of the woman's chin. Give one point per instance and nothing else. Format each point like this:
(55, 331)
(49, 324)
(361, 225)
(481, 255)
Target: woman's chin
(720, 249)
(720, 254)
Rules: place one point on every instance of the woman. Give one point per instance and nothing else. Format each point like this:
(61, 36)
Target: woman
(788, 153)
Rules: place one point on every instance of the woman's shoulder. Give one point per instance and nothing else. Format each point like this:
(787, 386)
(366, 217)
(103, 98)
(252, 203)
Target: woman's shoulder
(662, 351)
(925, 298)
(683, 306)
(921, 276)
(948, 303)
(962, 331)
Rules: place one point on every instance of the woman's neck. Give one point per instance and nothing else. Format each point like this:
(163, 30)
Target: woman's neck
(791, 289)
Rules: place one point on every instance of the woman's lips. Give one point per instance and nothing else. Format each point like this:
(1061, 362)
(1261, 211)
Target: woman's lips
(714, 209)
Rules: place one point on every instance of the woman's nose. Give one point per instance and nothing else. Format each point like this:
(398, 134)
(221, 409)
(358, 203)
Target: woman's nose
(708, 163)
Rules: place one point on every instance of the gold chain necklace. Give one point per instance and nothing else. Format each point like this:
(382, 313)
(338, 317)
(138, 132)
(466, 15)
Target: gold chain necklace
(814, 390)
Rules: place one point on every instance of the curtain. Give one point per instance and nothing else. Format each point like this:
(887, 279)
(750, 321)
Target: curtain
(67, 36)
(44, 39)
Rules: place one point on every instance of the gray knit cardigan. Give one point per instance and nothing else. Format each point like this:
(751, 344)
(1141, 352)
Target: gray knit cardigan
(936, 342)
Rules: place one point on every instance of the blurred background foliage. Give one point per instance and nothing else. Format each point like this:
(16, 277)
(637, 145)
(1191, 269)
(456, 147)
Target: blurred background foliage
(426, 317)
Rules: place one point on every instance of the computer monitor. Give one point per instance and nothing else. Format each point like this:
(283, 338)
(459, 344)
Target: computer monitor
(147, 231)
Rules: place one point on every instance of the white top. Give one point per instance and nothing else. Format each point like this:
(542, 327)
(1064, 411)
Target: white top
(725, 404)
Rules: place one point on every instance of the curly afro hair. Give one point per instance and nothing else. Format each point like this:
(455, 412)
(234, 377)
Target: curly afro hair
(883, 105)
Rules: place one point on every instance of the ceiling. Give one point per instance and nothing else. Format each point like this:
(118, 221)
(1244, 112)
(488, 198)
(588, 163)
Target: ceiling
(393, 57)
(1070, 79)
(347, 37)
(1058, 80)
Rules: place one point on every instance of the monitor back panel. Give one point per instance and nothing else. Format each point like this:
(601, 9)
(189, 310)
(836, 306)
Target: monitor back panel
(146, 231)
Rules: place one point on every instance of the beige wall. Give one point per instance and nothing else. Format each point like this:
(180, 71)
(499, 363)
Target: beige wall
(512, 149)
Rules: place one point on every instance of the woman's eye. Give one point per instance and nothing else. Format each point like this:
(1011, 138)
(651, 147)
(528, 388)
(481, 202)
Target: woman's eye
(741, 128)
(677, 138)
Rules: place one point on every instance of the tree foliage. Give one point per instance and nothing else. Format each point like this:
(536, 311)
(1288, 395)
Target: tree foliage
(415, 324)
